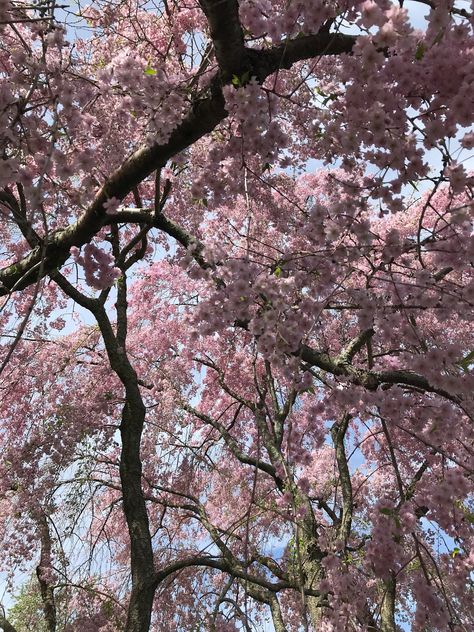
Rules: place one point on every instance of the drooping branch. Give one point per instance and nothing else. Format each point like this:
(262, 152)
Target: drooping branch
(393, 458)
(338, 366)
(233, 445)
(223, 565)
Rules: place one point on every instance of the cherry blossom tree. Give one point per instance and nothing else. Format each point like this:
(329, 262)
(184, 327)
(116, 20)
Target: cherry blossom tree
(237, 285)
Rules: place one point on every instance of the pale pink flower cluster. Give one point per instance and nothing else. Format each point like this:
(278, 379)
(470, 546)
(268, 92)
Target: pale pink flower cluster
(431, 611)
(98, 265)
(87, 624)
(254, 108)
(112, 205)
(148, 90)
(276, 20)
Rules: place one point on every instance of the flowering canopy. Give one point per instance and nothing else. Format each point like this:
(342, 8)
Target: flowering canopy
(261, 414)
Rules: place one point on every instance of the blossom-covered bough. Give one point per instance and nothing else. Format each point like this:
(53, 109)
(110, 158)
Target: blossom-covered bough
(261, 412)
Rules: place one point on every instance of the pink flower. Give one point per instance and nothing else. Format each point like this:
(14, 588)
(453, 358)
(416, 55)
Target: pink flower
(112, 205)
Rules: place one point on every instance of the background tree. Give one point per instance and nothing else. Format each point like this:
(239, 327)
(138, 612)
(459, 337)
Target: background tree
(263, 409)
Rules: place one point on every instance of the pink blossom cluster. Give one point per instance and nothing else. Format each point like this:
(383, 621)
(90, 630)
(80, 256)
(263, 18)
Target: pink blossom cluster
(299, 339)
(276, 20)
(98, 266)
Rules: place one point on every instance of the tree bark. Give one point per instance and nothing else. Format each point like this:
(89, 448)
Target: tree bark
(277, 617)
(144, 578)
(387, 610)
(6, 626)
(47, 592)
(134, 506)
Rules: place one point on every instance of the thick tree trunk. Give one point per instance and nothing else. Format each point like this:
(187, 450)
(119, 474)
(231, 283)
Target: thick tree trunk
(277, 617)
(313, 570)
(134, 505)
(142, 567)
(6, 626)
(42, 570)
(131, 429)
(387, 610)
(313, 573)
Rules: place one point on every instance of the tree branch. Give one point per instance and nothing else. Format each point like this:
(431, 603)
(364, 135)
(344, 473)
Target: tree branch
(371, 379)
(347, 354)
(233, 446)
(204, 115)
(226, 34)
(224, 566)
(44, 566)
(6, 626)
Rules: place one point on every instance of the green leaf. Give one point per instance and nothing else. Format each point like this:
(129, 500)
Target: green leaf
(330, 97)
(466, 361)
(420, 51)
(245, 78)
(468, 515)
(386, 511)
(414, 565)
(326, 97)
(240, 81)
